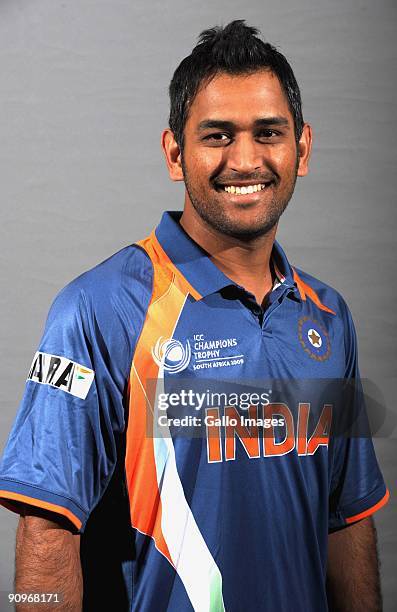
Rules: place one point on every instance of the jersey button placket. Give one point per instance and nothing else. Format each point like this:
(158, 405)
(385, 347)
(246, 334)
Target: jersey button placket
(276, 298)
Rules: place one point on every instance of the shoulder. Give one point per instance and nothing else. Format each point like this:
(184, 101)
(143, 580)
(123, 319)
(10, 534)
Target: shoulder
(109, 286)
(102, 310)
(97, 318)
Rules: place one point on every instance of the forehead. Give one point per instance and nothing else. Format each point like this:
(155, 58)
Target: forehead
(240, 98)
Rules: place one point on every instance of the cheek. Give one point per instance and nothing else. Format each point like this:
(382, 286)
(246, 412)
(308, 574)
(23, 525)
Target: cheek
(204, 160)
(284, 161)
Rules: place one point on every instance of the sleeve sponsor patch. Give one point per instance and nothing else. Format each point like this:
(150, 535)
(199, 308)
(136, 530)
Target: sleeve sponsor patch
(62, 373)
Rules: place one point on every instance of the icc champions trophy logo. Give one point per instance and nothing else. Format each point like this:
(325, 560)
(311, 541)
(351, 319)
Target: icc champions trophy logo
(172, 354)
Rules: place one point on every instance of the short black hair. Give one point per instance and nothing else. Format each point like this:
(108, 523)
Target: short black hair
(232, 49)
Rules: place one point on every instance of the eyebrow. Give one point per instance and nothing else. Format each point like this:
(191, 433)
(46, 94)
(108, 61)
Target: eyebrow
(229, 125)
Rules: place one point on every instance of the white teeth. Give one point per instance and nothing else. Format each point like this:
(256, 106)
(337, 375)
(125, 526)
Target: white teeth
(244, 190)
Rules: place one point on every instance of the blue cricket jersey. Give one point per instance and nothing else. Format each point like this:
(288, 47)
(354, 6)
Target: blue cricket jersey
(187, 433)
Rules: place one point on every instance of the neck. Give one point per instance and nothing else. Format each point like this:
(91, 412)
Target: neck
(247, 263)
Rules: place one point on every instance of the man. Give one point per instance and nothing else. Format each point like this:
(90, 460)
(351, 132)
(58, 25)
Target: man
(244, 516)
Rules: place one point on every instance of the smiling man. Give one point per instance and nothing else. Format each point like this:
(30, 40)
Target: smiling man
(257, 506)
(239, 157)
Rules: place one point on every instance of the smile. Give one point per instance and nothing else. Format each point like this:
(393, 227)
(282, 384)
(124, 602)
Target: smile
(243, 190)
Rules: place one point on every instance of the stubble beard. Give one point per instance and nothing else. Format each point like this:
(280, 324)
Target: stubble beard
(216, 217)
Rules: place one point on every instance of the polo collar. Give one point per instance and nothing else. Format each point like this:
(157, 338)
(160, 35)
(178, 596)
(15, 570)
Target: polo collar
(195, 264)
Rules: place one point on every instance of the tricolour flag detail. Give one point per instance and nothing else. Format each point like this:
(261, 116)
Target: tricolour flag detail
(62, 373)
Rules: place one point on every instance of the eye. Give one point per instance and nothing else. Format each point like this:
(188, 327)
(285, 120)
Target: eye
(267, 134)
(217, 137)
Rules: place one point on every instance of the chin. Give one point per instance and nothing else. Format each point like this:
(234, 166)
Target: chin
(244, 231)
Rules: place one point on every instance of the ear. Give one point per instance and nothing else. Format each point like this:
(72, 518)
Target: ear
(304, 150)
(172, 155)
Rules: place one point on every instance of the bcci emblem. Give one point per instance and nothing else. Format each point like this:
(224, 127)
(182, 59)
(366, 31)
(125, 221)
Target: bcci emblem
(172, 354)
(314, 339)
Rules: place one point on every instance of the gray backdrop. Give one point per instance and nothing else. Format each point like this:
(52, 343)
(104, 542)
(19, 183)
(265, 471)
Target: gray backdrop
(83, 90)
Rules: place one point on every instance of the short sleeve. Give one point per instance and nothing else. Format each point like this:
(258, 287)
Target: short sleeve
(357, 488)
(62, 449)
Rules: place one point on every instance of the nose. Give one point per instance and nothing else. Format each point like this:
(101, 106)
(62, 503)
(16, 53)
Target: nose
(244, 155)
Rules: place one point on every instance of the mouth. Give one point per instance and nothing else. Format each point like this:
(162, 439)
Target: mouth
(243, 189)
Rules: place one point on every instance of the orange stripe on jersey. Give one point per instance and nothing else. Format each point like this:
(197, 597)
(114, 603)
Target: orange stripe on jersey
(158, 256)
(306, 290)
(358, 517)
(39, 503)
(168, 297)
